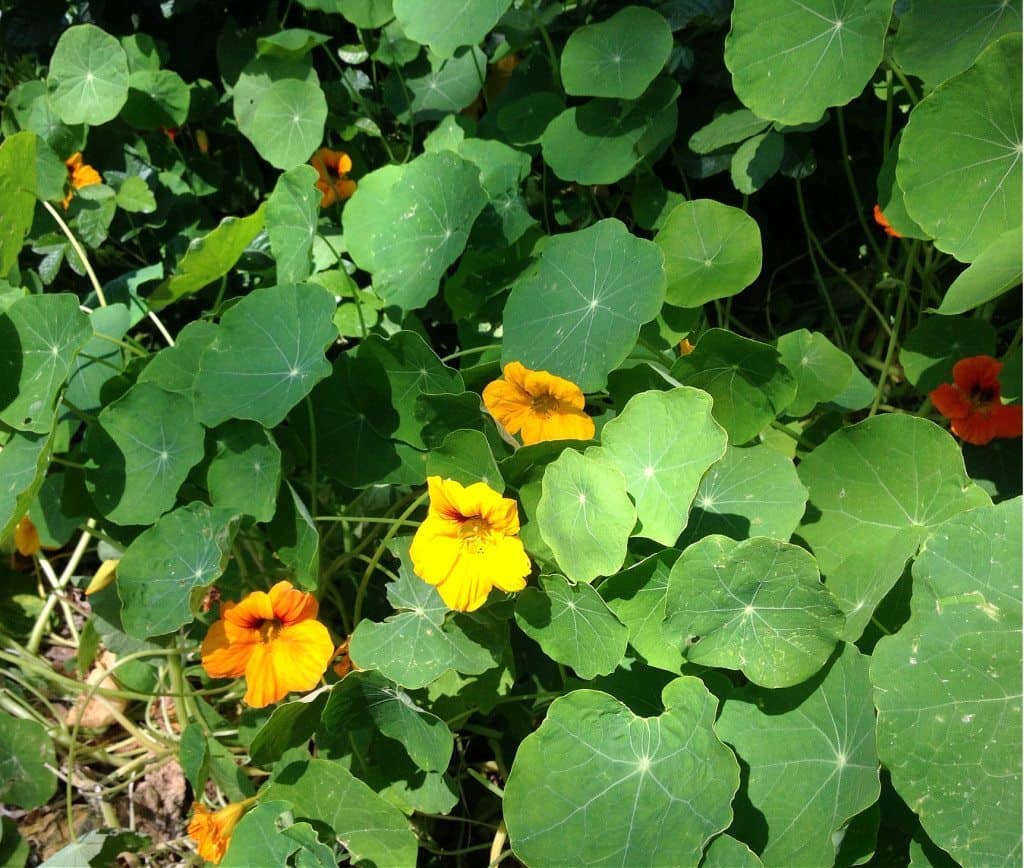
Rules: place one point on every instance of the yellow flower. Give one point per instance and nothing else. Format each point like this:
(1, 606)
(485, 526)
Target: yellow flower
(467, 544)
(273, 639)
(212, 830)
(538, 405)
(79, 175)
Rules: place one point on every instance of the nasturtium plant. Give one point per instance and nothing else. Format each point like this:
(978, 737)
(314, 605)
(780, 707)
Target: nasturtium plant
(511, 432)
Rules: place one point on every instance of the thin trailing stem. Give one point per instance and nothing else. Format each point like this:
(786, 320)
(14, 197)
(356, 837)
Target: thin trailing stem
(93, 279)
(858, 203)
(890, 352)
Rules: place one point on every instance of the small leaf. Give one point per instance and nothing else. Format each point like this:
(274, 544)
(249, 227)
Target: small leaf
(244, 473)
(27, 760)
(727, 128)
(292, 211)
(572, 624)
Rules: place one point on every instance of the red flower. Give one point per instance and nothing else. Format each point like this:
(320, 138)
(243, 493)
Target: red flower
(881, 221)
(972, 402)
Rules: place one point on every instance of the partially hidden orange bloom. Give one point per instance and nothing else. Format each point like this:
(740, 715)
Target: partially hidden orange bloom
(342, 662)
(881, 221)
(973, 404)
(273, 639)
(685, 347)
(333, 166)
(26, 538)
(79, 175)
(212, 830)
(468, 544)
(538, 405)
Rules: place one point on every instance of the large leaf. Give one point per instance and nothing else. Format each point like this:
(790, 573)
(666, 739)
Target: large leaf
(617, 57)
(27, 760)
(938, 39)
(602, 141)
(573, 625)
(605, 785)
(811, 753)
(751, 491)
(208, 258)
(370, 828)
(40, 335)
(876, 490)
(711, 251)
(267, 355)
(292, 211)
(792, 60)
(948, 688)
(962, 144)
(585, 516)
(445, 25)
(88, 78)
(17, 191)
(367, 700)
(995, 270)
(578, 312)
(141, 449)
(663, 442)
(434, 199)
(747, 380)
(166, 570)
(757, 606)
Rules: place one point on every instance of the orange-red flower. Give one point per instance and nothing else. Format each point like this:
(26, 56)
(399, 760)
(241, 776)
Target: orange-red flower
(273, 639)
(79, 175)
(333, 166)
(538, 405)
(468, 544)
(972, 402)
(212, 830)
(881, 221)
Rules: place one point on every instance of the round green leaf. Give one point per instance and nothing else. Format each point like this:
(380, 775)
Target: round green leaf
(523, 121)
(573, 625)
(820, 368)
(40, 336)
(267, 355)
(876, 490)
(663, 442)
(602, 784)
(711, 251)
(812, 759)
(156, 98)
(618, 57)
(601, 141)
(27, 760)
(890, 195)
(435, 199)
(579, 311)
(637, 597)
(88, 77)
(434, 87)
(286, 123)
(585, 516)
(791, 61)
(141, 450)
(747, 380)
(166, 570)
(996, 270)
(751, 491)
(445, 25)
(245, 471)
(372, 830)
(938, 39)
(368, 14)
(174, 369)
(948, 688)
(367, 700)
(757, 606)
(962, 145)
(937, 343)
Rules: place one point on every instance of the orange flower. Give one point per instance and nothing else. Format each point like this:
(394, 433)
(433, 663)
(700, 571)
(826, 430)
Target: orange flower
(685, 347)
(212, 830)
(343, 663)
(333, 166)
(538, 404)
(26, 538)
(881, 221)
(972, 403)
(468, 544)
(79, 175)
(273, 639)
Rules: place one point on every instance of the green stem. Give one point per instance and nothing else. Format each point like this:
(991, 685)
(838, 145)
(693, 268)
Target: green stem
(848, 169)
(370, 519)
(890, 352)
(818, 277)
(313, 494)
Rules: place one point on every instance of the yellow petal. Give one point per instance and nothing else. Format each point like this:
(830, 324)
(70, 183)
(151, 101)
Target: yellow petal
(103, 577)
(508, 564)
(225, 655)
(466, 588)
(293, 660)
(433, 555)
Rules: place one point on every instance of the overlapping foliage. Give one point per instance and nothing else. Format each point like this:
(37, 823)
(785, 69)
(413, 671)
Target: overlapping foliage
(774, 610)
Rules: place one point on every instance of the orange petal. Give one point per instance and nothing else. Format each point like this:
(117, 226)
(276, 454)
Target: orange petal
(977, 372)
(251, 611)
(1007, 420)
(291, 605)
(293, 660)
(976, 428)
(223, 658)
(950, 401)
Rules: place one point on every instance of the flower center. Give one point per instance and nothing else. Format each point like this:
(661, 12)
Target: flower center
(475, 535)
(269, 630)
(981, 397)
(544, 405)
